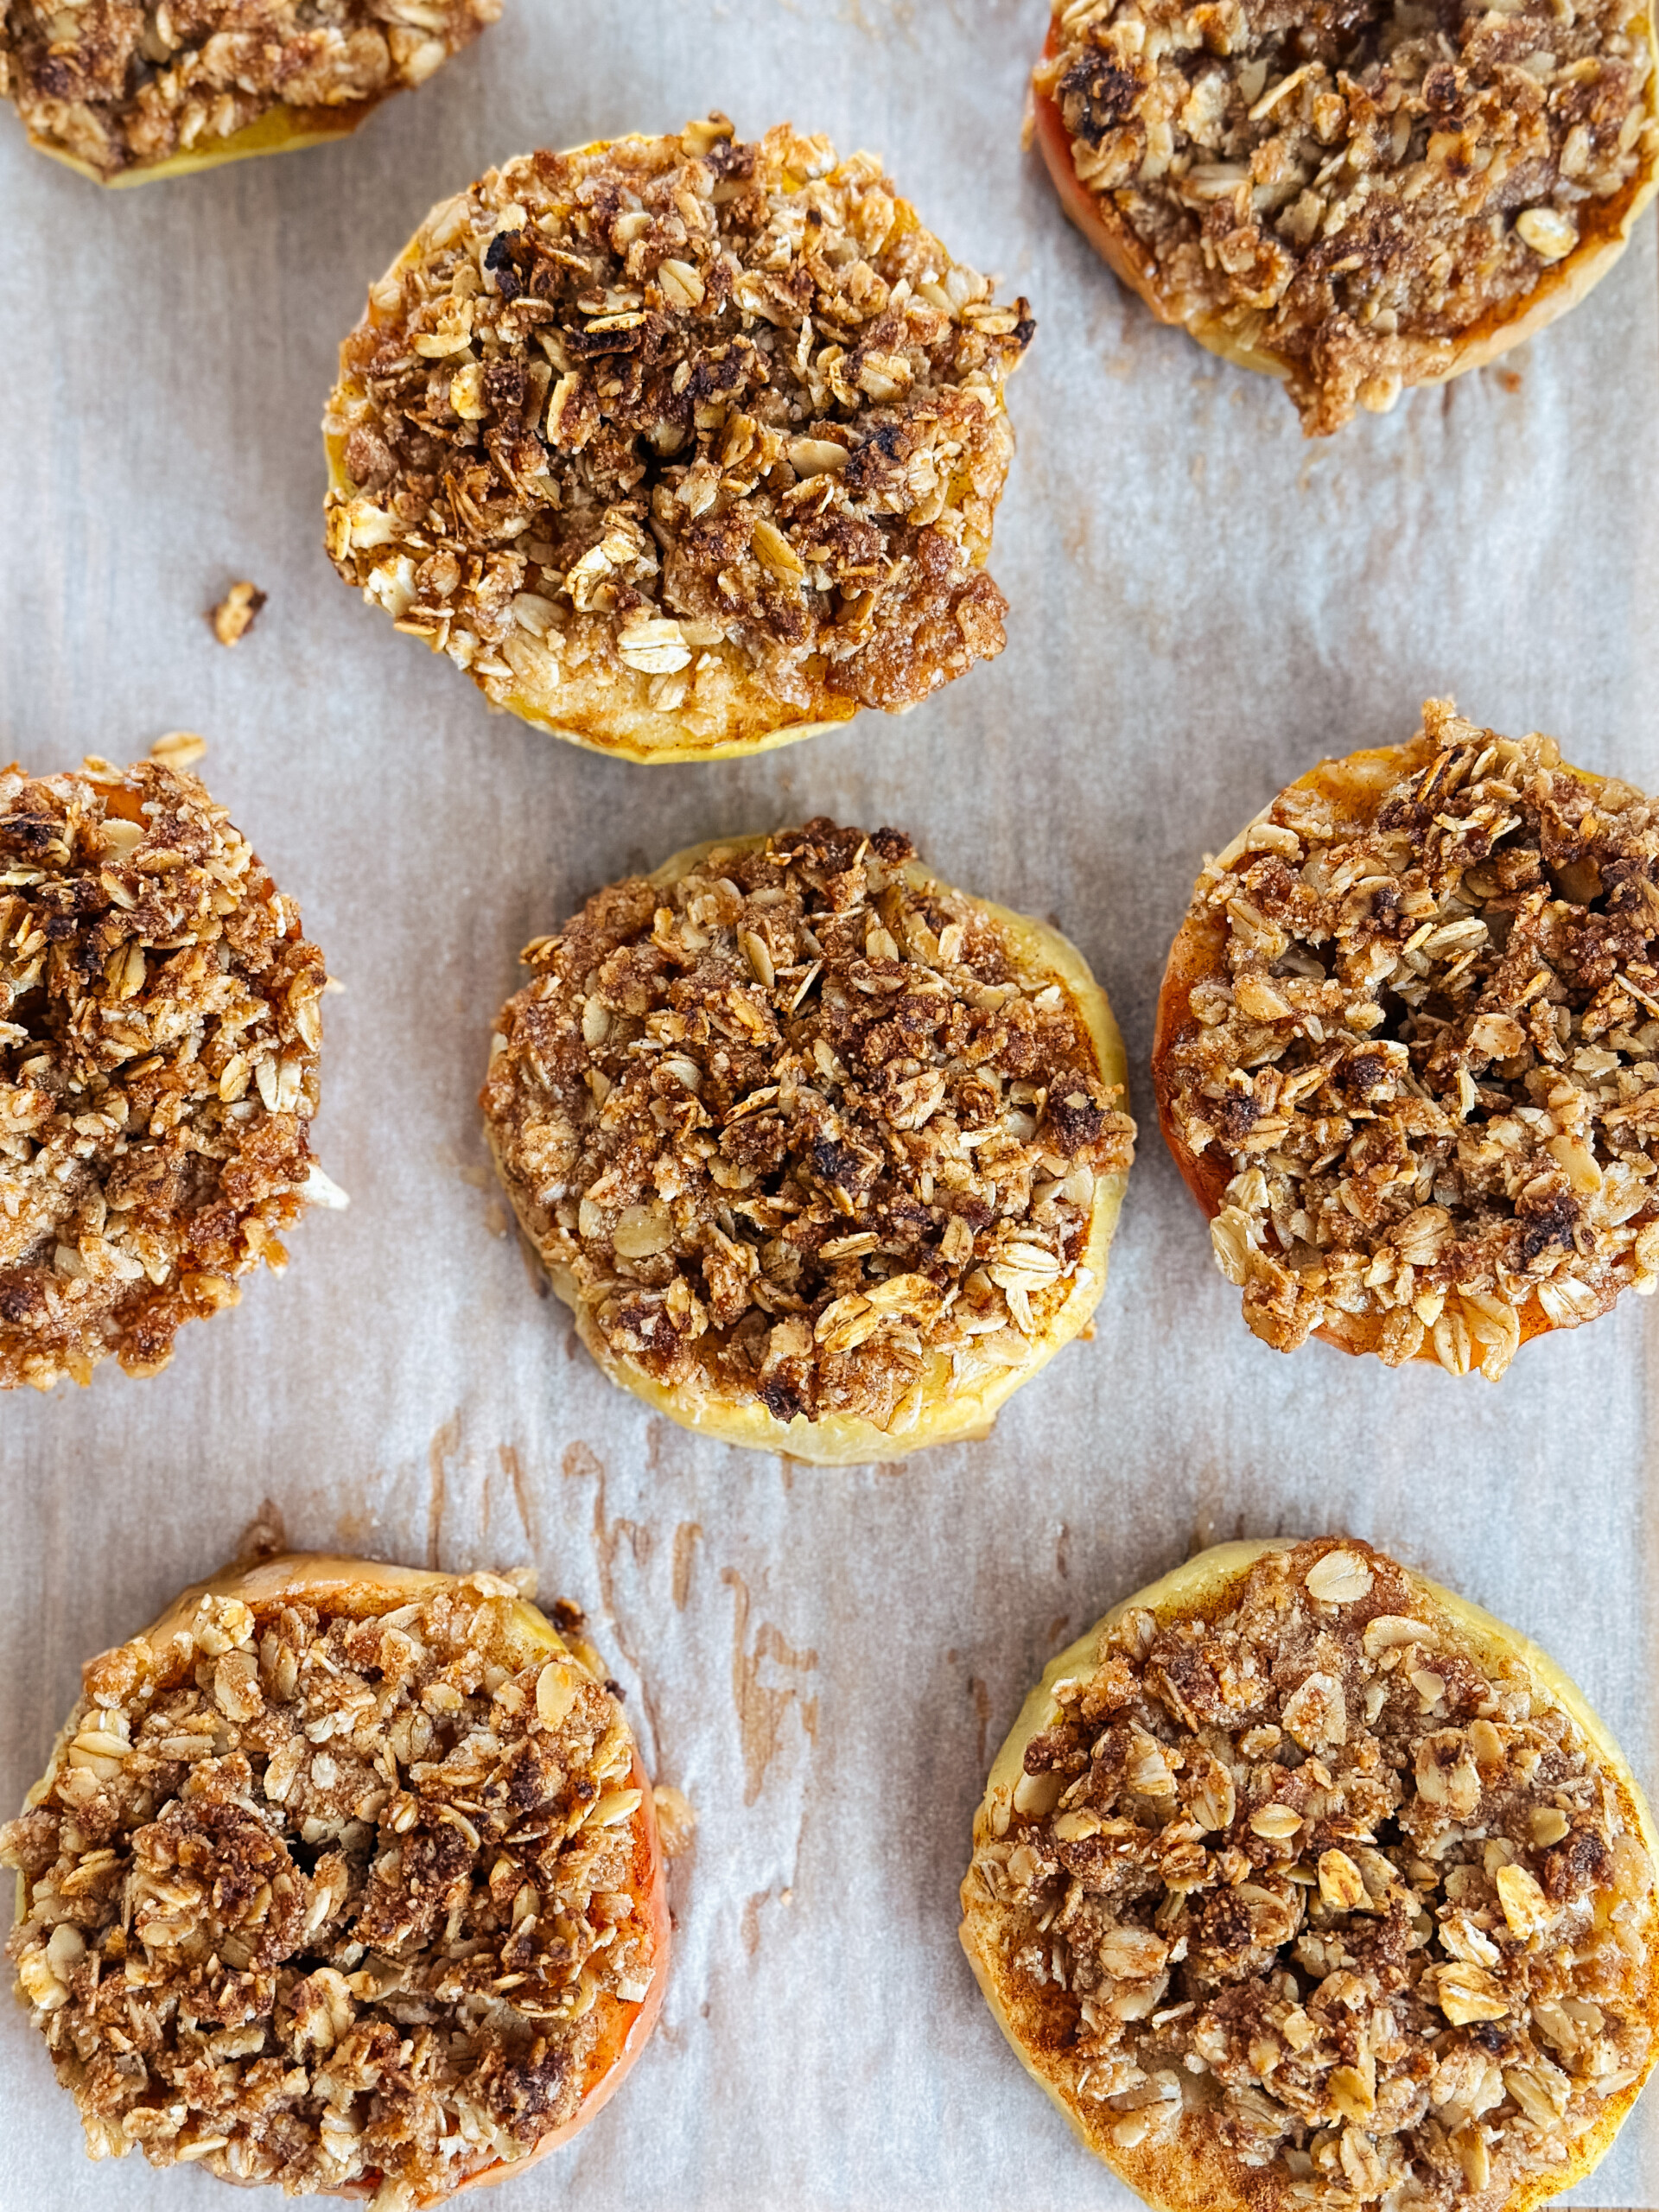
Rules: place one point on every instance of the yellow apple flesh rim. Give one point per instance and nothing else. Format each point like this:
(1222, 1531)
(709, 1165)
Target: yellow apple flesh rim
(1207, 1586)
(279, 131)
(1356, 784)
(951, 1413)
(359, 1588)
(830, 712)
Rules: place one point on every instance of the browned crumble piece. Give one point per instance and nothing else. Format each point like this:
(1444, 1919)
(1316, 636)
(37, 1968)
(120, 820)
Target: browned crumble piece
(159, 1038)
(680, 439)
(124, 85)
(237, 612)
(1359, 192)
(339, 1900)
(1418, 1076)
(1304, 1900)
(796, 1130)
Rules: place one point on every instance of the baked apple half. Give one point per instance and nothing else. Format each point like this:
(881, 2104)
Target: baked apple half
(681, 447)
(825, 1156)
(344, 1877)
(1408, 1049)
(1301, 1881)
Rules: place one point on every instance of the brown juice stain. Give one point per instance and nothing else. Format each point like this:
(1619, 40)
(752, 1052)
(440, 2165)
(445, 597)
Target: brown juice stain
(513, 1467)
(760, 1710)
(581, 1459)
(752, 1921)
(1058, 1627)
(982, 1698)
(446, 1442)
(1062, 1564)
(685, 1537)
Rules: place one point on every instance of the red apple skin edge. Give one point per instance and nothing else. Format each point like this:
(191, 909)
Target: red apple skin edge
(627, 2028)
(1100, 224)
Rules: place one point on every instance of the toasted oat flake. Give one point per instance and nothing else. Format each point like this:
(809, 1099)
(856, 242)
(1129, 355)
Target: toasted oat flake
(1443, 1133)
(680, 441)
(124, 85)
(341, 1908)
(236, 613)
(158, 1065)
(809, 1173)
(1353, 191)
(1326, 1999)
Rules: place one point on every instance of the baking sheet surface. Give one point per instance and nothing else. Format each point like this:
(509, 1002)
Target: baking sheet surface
(825, 1662)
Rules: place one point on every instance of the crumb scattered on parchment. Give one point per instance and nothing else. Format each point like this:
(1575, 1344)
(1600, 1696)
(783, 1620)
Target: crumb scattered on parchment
(676, 1819)
(180, 748)
(237, 612)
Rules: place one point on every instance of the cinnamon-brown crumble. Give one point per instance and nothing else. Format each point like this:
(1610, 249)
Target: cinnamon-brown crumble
(124, 85)
(1356, 191)
(335, 1898)
(159, 1028)
(1307, 1899)
(680, 439)
(1423, 1050)
(804, 1126)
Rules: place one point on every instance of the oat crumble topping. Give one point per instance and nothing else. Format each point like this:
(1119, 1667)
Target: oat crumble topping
(126, 83)
(804, 1126)
(334, 1899)
(1355, 190)
(680, 438)
(1419, 1072)
(159, 1038)
(1313, 1887)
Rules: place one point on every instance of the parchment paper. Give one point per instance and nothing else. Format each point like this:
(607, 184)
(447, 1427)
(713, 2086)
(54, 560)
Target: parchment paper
(823, 1661)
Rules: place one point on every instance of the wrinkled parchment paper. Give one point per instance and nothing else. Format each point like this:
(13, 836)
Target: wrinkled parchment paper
(825, 1662)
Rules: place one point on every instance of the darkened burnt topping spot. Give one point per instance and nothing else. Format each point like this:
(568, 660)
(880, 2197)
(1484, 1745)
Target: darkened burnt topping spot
(1420, 1074)
(802, 1129)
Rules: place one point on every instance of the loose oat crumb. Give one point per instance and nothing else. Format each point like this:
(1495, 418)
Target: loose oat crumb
(680, 441)
(180, 748)
(1309, 1896)
(124, 85)
(1409, 1049)
(159, 1038)
(804, 1126)
(236, 613)
(677, 1821)
(336, 1898)
(1355, 192)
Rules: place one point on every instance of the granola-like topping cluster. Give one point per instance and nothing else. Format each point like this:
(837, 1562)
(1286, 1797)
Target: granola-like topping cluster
(123, 84)
(804, 1126)
(320, 1899)
(628, 420)
(1355, 188)
(1426, 1052)
(1312, 1885)
(159, 1033)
